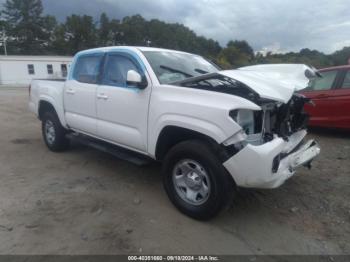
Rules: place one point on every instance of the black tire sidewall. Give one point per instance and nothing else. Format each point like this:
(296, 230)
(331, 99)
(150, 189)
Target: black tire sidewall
(61, 142)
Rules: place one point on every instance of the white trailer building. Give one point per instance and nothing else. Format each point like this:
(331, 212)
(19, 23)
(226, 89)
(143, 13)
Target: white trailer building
(20, 70)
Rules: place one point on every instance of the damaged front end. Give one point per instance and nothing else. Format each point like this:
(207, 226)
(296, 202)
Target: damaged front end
(290, 118)
(273, 146)
(270, 145)
(274, 119)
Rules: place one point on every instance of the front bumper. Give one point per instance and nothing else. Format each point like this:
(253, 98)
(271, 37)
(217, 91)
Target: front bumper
(271, 164)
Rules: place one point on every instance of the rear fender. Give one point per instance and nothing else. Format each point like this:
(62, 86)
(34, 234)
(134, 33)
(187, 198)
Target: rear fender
(58, 109)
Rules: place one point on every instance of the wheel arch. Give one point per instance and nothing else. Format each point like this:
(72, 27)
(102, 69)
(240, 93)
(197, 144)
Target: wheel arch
(47, 105)
(171, 135)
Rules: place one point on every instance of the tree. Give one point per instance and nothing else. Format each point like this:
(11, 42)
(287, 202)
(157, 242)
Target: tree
(243, 47)
(104, 31)
(49, 28)
(341, 57)
(236, 54)
(304, 56)
(26, 26)
(116, 33)
(134, 30)
(78, 33)
(109, 31)
(59, 44)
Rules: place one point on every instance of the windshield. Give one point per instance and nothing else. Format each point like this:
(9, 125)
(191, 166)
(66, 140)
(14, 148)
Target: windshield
(173, 66)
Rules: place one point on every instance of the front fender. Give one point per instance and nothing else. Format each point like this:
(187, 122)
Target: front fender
(201, 126)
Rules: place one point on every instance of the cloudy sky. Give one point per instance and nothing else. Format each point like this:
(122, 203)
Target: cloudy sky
(282, 25)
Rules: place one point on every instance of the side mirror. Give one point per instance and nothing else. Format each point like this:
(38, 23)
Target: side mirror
(133, 78)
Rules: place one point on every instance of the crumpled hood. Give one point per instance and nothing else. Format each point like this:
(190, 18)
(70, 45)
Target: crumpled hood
(277, 81)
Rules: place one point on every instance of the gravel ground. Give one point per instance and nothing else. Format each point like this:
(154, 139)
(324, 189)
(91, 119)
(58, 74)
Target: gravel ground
(87, 202)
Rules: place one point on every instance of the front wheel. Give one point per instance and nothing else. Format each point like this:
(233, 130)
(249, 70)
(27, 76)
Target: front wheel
(54, 133)
(196, 181)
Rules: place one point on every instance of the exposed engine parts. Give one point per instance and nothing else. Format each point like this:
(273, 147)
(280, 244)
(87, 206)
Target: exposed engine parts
(290, 117)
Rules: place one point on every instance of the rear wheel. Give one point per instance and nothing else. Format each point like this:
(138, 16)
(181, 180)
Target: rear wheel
(54, 134)
(196, 181)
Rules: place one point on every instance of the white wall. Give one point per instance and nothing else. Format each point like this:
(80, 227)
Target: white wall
(15, 72)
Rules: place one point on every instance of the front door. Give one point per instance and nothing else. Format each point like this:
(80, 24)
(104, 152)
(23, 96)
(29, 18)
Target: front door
(321, 92)
(80, 94)
(122, 110)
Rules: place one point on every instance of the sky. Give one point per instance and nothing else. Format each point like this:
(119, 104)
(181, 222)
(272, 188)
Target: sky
(273, 25)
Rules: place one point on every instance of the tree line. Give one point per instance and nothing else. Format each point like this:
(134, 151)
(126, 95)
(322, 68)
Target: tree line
(30, 32)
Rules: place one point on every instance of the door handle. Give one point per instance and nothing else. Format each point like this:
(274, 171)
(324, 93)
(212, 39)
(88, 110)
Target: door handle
(70, 91)
(102, 96)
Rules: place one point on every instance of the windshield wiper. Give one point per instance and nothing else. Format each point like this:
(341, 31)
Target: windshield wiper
(175, 70)
(201, 71)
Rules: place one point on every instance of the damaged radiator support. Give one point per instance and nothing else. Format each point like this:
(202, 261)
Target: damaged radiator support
(285, 119)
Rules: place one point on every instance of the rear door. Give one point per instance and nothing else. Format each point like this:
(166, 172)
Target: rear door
(122, 110)
(80, 94)
(321, 91)
(341, 99)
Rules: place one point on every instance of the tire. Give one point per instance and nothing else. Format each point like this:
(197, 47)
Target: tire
(185, 187)
(54, 134)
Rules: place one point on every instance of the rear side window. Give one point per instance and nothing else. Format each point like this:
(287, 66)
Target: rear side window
(87, 69)
(116, 70)
(346, 83)
(324, 83)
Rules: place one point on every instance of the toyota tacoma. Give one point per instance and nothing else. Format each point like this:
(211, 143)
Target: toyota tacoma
(213, 130)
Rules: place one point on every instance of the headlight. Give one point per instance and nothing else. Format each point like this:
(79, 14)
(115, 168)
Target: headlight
(245, 118)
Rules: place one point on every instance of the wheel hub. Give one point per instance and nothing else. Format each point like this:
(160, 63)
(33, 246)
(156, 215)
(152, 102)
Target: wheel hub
(50, 132)
(191, 182)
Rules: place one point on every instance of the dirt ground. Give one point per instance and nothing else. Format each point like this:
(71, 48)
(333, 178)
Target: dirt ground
(87, 202)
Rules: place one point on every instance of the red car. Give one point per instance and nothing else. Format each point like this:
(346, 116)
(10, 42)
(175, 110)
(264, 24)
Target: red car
(331, 98)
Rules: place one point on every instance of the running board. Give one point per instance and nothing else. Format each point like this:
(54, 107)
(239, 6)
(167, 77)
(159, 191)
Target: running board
(117, 151)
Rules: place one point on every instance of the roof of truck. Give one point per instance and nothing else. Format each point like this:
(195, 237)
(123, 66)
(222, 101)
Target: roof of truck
(140, 48)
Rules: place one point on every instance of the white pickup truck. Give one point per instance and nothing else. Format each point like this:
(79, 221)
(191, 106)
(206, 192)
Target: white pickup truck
(213, 130)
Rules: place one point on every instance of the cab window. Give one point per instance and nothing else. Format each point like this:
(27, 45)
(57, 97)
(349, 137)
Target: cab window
(87, 69)
(346, 83)
(116, 70)
(324, 83)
